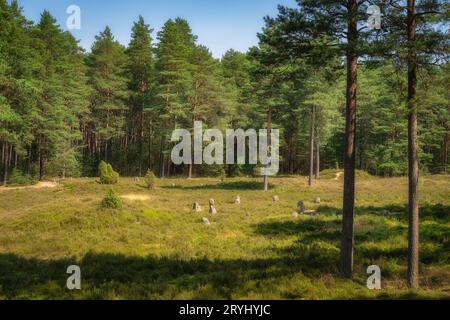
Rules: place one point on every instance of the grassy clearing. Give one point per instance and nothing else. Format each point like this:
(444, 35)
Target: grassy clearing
(155, 247)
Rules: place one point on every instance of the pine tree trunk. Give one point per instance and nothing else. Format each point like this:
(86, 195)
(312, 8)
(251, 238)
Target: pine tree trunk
(311, 146)
(168, 166)
(16, 158)
(106, 150)
(41, 166)
(5, 164)
(163, 170)
(162, 160)
(317, 160)
(446, 143)
(141, 140)
(349, 156)
(190, 171)
(30, 151)
(269, 142)
(149, 163)
(413, 158)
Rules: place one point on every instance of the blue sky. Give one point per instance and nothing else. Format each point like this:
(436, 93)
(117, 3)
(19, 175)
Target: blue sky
(219, 24)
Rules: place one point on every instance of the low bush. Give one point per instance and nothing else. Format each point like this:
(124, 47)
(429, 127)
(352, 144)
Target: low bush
(107, 174)
(111, 200)
(150, 179)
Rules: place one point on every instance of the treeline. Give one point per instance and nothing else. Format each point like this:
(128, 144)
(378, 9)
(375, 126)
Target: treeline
(63, 110)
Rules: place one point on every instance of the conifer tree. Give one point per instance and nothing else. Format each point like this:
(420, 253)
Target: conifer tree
(107, 76)
(174, 52)
(319, 29)
(411, 25)
(142, 75)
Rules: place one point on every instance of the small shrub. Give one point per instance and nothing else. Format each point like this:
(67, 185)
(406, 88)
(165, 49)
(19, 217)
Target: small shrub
(19, 178)
(111, 200)
(150, 179)
(107, 174)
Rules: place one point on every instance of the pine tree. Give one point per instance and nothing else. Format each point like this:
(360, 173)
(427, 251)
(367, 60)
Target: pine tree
(142, 75)
(174, 51)
(270, 78)
(206, 103)
(107, 67)
(238, 97)
(18, 90)
(310, 31)
(55, 123)
(421, 42)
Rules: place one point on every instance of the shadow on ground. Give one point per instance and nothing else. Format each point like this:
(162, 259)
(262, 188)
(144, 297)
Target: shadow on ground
(238, 185)
(313, 254)
(374, 239)
(142, 277)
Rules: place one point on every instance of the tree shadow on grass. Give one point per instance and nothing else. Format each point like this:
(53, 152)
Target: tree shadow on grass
(372, 242)
(107, 276)
(142, 277)
(428, 212)
(237, 185)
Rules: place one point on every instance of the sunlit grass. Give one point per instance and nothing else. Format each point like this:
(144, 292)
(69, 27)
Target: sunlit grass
(155, 247)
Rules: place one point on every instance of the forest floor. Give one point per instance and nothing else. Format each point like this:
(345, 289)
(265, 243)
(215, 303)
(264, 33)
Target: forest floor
(155, 247)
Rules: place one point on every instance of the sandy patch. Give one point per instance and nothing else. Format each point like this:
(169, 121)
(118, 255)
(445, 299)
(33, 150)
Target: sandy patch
(338, 176)
(135, 197)
(39, 185)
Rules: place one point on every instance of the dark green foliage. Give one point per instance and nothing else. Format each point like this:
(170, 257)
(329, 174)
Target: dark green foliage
(107, 76)
(211, 171)
(18, 178)
(107, 174)
(63, 110)
(141, 75)
(111, 200)
(65, 164)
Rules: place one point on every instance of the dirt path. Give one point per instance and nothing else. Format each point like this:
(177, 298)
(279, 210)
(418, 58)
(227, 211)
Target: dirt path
(39, 185)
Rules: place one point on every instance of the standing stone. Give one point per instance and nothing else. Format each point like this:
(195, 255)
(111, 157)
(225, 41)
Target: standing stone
(212, 210)
(301, 207)
(276, 198)
(196, 207)
(206, 221)
(237, 200)
(317, 200)
(212, 206)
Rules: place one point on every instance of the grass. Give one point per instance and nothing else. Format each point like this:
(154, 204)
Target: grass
(155, 247)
